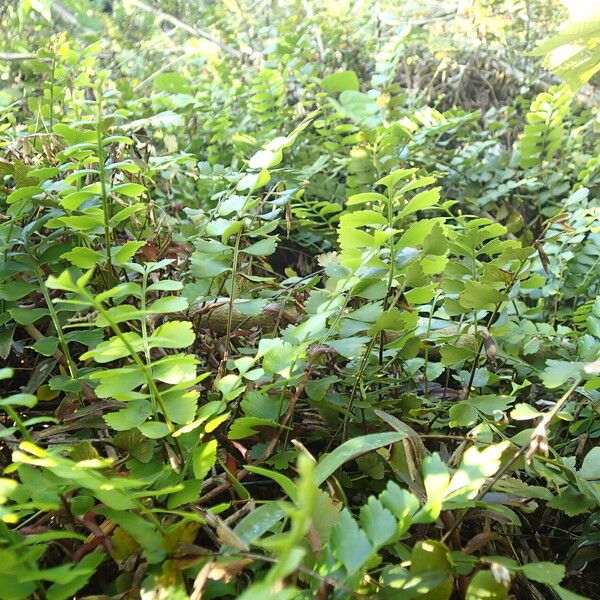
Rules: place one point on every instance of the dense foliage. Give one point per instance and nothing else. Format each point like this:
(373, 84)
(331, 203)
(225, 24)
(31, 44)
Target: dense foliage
(299, 300)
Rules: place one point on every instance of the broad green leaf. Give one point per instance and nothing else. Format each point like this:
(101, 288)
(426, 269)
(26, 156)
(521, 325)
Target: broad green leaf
(122, 254)
(462, 414)
(340, 81)
(473, 470)
(557, 372)
(378, 522)
(27, 316)
(351, 449)
(142, 530)
(79, 575)
(421, 201)
(23, 193)
(366, 197)
(74, 200)
(46, 346)
(360, 107)
(190, 493)
(154, 429)
(265, 159)
(524, 412)
(83, 257)
(134, 414)
(478, 296)
(590, 469)
(28, 400)
(15, 290)
(244, 427)
(484, 586)
(264, 247)
(544, 572)
(168, 304)
(401, 503)
(389, 181)
(349, 543)
(116, 347)
(131, 190)
(452, 354)
(435, 479)
(204, 458)
(173, 334)
(258, 522)
(430, 558)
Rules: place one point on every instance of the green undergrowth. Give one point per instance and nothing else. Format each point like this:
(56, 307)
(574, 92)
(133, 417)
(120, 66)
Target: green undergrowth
(289, 315)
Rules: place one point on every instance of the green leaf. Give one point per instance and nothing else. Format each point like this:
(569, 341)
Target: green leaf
(340, 81)
(173, 334)
(258, 522)
(429, 559)
(134, 414)
(264, 247)
(265, 159)
(351, 449)
(203, 459)
(131, 190)
(125, 214)
(452, 354)
(73, 200)
(349, 543)
(401, 503)
(263, 406)
(366, 197)
(154, 429)
(435, 243)
(572, 502)
(24, 193)
(27, 316)
(557, 372)
(389, 181)
(15, 290)
(436, 479)
(480, 296)
(115, 348)
(378, 522)
(7, 333)
(190, 493)
(15, 589)
(172, 82)
(78, 577)
(544, 572)
(484, 586)
(567, 594)
(142, 530)
(244, 427)
(524, 412)
(83, 257)
(590, 469)
(473, 470)
(421, 201)
(28, 400)
(168, 304)
(360, 107)
(122, 254)
(462, 414)
(64, 383)
(46, 346)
